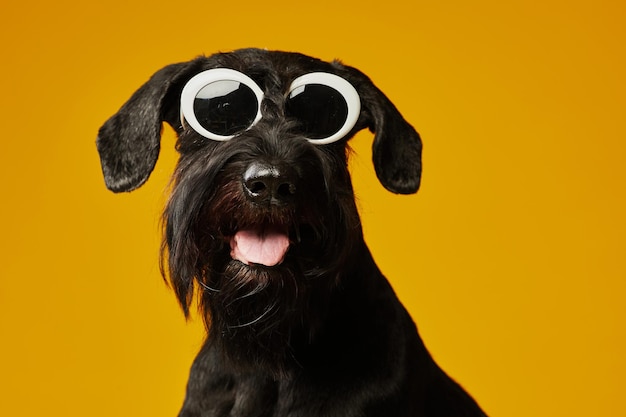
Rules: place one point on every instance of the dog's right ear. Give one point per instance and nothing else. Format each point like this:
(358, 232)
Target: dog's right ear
(129, 142)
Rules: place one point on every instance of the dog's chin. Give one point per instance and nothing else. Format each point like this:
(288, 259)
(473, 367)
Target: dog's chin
(257, 290)
(245, 274)
(254, 311)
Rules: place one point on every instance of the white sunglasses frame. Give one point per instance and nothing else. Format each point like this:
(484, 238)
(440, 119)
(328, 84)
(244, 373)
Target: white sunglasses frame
(201, 80)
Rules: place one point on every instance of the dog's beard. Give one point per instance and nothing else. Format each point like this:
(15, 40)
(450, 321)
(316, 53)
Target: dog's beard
(259, 313)
(254, 311)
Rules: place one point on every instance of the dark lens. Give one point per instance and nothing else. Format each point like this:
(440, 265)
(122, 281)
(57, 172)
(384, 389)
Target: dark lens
(320, 109)
(225, 107)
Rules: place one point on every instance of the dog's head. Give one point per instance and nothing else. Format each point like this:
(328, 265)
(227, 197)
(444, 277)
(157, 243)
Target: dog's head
(261, 217)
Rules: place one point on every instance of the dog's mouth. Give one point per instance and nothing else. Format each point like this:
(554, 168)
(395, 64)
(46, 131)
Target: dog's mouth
(266, 246)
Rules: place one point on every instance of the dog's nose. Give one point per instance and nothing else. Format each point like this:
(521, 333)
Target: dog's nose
(269, 183)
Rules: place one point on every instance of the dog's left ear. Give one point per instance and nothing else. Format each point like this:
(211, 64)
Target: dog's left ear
(129, 142)
(397, 148)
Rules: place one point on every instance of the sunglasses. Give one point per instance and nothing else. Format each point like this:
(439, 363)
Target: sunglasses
(221, 103)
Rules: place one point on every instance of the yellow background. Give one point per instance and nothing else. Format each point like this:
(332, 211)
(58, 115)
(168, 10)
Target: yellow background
(510, 258)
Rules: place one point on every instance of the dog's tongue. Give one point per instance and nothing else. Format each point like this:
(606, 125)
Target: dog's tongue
(254, 247)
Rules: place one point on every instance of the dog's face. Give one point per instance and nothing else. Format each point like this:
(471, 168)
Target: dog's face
(261, 218)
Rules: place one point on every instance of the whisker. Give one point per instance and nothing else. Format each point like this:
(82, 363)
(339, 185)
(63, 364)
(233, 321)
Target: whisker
(250, 323)
(206, 287)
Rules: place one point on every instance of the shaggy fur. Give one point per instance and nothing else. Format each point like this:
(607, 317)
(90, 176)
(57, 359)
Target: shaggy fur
(322, 333)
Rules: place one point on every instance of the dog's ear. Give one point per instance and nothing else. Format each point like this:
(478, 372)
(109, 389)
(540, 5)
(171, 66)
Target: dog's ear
(129, 142)
(397, 148)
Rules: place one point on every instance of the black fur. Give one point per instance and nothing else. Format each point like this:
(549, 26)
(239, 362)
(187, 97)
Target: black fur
(322, 333)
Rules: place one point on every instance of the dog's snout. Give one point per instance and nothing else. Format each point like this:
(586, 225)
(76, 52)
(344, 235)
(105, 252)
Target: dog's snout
(269, 183)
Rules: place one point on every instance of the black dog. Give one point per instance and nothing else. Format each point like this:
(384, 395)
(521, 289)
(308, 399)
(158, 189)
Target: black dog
(262, 226)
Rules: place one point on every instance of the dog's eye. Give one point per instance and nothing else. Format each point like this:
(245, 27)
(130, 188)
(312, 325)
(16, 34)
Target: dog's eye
(219, 103)
(326, 106)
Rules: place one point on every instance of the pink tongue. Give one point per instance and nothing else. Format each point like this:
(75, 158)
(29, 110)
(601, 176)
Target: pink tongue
(250, 246)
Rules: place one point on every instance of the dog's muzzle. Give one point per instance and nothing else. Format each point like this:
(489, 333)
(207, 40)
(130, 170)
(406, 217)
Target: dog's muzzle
(265, 185)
